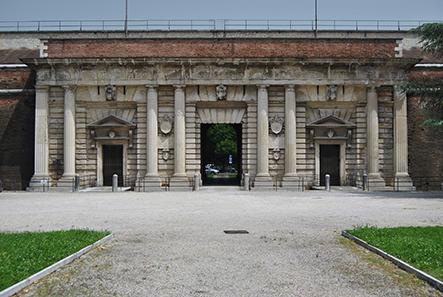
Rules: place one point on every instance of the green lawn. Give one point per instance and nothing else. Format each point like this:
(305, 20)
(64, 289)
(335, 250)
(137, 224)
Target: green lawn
(23, 254)
(421, 247)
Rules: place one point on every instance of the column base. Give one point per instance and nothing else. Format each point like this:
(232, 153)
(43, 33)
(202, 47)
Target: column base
(151, 183)
(39, 183)
(376, 182)
(180, 183)
(403, 182)
(66, 183)
(263, 183)
(292, 183)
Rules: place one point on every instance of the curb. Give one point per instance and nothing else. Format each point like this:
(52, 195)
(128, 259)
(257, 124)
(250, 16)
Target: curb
(14, 289)
(401, 264)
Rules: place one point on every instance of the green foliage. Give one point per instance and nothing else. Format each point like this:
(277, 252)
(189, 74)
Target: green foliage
(430, 90)
(422, 247)
(23, 254)
(222, 139)
(431, 37)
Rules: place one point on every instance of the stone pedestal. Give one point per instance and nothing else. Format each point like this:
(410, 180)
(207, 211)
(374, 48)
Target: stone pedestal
(375, 180)
(40, 180)
(179, 181)
(152, 179)
(262, 179)
(402, 180)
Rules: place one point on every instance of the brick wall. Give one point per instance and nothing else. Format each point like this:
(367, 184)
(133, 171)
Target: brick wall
(200, 48)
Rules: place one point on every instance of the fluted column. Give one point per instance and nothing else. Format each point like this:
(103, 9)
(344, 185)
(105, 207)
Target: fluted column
(179, 179)
(402, 181)
(41, 149)
(69, 132)
(262, 179)
(289, 179)
(376, 182)
(152, 178)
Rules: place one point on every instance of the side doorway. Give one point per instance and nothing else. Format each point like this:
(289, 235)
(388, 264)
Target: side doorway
(112, 164)
(330, 163)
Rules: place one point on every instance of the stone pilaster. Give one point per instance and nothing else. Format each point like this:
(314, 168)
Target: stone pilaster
(67, 180)
(402, 180)
(262, 179)
(40, 180)
(179, 180)
(152, 179)
(376, 182)
(290, 179)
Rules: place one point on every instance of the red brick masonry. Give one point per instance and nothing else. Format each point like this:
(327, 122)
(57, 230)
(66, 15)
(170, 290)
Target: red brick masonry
(82, 48)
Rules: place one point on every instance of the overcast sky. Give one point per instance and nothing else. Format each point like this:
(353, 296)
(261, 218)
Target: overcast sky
(221, 9)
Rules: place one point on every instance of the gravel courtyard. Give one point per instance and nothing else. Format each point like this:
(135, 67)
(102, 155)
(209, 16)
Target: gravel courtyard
(172, 244)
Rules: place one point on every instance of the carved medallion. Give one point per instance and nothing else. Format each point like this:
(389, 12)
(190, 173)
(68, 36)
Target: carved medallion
(166, 125)
(331, 93)
(110, 93)
(165, 154)
(276, 124)
(221, 92)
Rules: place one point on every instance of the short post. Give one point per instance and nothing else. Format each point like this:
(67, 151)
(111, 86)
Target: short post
(365, 182)
(196, 181)
(328, 182)
(114, 182)
(246, 181)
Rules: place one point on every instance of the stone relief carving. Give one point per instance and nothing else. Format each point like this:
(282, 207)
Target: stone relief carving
(276, 154)
(276, 124)
(331, 93)
(221, 92)
(166, 125)
(110, 93)
(165, 154)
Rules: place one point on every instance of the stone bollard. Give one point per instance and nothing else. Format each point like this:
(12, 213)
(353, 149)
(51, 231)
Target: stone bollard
(328, 182)
(196, 181)
(365, 182)
(246, 182)
(114, 182)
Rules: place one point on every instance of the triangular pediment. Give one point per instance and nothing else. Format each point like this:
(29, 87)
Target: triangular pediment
(111, 122)
(330, 121)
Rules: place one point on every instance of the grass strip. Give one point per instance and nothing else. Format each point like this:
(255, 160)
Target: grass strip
(24, 254)
(421, 247)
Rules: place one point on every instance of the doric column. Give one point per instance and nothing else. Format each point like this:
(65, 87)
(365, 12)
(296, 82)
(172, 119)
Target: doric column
(152, 178)
(41, 149)
(289, 179)
(376, 182)
(262, 179)
(402, 181)
(179, 179)
(69, 139)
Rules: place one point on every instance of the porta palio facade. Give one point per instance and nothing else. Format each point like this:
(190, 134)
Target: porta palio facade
(303, 107)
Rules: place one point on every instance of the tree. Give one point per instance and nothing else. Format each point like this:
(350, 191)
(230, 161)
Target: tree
(430, 88)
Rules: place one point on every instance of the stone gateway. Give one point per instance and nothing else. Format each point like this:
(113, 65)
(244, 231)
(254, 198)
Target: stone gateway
(305, 106)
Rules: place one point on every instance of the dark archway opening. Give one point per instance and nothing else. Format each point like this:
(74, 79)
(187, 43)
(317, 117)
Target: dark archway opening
(221, 154)
(330, 164)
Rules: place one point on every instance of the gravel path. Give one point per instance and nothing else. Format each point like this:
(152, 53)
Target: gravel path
(172, 244)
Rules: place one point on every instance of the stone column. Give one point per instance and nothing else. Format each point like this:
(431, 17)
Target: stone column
(262, 178)
(290, 178)
(179, 181)
(67, 179)
(376, 182)
(152, 179)
(402, 180)
(40, 180)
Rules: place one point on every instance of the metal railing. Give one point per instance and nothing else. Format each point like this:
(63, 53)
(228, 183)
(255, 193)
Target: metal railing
(211, 25)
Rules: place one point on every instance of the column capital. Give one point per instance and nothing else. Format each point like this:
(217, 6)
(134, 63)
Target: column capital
(290, 88)
(41, 88)
(179, 86)
(262, 86)
(151, 86)
(71, 88)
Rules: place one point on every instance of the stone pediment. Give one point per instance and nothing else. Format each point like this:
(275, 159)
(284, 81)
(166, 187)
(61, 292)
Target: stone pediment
(111, 122)
(330, 121)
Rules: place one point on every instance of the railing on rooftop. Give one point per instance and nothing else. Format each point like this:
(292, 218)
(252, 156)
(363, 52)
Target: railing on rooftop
(211, 25)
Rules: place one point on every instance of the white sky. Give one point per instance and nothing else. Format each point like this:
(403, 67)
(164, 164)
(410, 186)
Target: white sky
(227, 9)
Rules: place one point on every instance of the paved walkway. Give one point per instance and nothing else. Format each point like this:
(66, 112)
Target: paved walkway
(172, 244)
